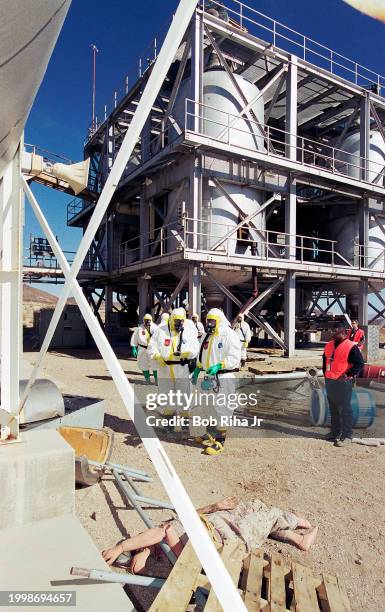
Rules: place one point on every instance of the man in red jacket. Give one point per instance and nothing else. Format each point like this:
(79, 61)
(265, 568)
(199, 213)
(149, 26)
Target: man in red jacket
(357, 335)
(342, 362)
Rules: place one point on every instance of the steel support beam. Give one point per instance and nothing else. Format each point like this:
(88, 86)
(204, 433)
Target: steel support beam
(108, 309)
(365, 136)
(195, 203)
(289, 314)
(168, 111)
(274, 99)
(246, 219)
(249, 106)
(363, 301)
(260, 322)
(350, 119)
(277, 196)
(196, 87)
(261, 299)
(291, 126)
(144, 302)
(144, 224)
(11, 296)
(170, 211)
(250, 113)
(377, 294)
(194, 289)
(167, 305)
(379, 314)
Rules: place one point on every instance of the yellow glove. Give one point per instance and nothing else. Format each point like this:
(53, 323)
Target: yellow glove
(185, 355)
(245, 344)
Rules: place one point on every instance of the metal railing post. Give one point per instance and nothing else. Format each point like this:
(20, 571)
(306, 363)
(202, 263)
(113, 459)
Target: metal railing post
(228, 128)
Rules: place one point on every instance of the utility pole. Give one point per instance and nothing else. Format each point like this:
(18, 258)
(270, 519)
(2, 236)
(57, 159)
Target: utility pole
(95, 50)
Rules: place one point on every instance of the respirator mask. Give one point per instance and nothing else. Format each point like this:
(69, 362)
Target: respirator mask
(210, 326)
(178, 325)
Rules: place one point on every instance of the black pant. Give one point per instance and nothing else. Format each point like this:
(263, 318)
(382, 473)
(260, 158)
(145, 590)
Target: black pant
(339, 394)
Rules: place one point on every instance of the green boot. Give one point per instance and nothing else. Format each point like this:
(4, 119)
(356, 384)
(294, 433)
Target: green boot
(155, 373)
(146, 375)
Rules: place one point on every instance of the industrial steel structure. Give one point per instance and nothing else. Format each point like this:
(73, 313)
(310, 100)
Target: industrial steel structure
(257, 182)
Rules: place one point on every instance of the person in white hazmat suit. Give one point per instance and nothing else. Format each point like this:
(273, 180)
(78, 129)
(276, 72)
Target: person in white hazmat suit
(198, 325)
(243, 331)
(219, 358)
(164, 319)
(139, 343)
(174, 347)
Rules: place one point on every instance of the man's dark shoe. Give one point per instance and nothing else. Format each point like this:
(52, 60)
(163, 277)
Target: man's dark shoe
(331, 437)
(342, 442)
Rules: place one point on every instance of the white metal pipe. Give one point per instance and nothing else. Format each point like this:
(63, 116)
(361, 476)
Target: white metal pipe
(10, 286)
(120, 468)
(106, 576)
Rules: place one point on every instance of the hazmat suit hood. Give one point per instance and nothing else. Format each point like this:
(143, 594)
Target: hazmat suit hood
(164, 318)
(178, 314)
(222, 322)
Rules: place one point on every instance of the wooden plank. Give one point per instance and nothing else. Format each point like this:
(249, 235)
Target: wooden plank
(337, 598)
(176, 593)
(277, 590)
(305, 595)
(253, 586)
(232, 556)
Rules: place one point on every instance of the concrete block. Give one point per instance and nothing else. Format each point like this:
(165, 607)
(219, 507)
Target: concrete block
(39, 556)
(37, 478)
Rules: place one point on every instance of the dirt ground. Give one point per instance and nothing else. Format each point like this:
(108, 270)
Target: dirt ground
(339, 489)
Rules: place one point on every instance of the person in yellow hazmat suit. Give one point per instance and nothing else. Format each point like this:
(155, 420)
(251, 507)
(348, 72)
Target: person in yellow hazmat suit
(174, 347)
(243, 331)
(139, 343)
(219, 358)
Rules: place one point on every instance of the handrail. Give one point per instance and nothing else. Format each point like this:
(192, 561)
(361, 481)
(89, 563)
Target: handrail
(308, 148)
(299, 245)
(308, 48)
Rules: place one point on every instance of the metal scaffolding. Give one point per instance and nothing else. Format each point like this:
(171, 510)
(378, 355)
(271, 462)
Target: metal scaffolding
(158, 243)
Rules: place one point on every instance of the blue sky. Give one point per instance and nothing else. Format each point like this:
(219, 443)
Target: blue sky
(122, 29)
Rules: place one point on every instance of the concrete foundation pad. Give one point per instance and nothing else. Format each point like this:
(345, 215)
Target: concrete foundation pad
(39, 557)
(37, 478)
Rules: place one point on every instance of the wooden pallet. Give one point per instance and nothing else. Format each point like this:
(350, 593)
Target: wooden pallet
(266, 583)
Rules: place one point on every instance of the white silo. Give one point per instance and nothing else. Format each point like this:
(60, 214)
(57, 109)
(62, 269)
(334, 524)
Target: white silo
(346, 230)
(220, 120)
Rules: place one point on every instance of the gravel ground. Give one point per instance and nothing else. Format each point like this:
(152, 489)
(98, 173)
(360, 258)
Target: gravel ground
(340, 490)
